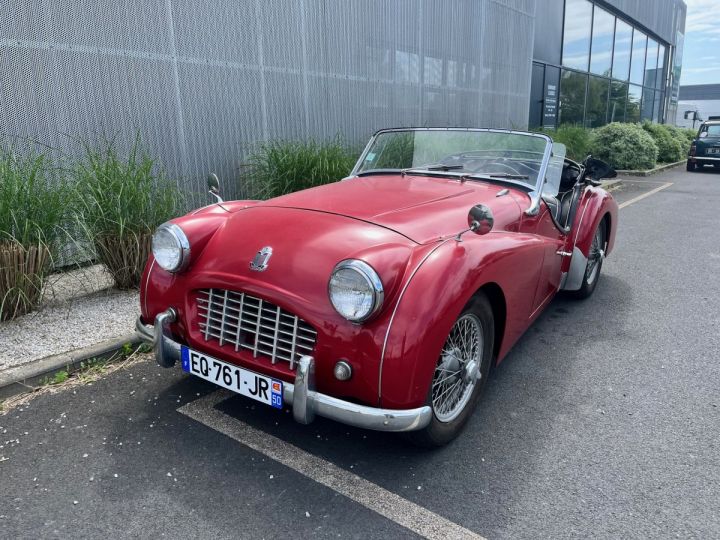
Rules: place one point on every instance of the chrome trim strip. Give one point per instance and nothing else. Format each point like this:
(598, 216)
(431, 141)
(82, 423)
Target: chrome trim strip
(397, 305)
(703, 158)
(307, 403)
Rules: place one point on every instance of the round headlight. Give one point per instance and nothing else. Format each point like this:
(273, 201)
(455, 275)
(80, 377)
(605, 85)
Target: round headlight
(355, 290)
(170, 247)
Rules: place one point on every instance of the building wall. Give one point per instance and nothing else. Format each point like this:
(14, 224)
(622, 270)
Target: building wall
(661, 17)
(204, 81)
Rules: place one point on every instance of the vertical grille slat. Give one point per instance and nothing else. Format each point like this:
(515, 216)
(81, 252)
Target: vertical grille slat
(247, 322)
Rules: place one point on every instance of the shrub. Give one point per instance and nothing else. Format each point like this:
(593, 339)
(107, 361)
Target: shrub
(624, 146)
(670, 149)
(684, 136)
(33, 208)
(121, 202)
(280, 167)
(575, 138)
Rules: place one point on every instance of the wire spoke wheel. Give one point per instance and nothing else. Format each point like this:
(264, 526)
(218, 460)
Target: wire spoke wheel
(458, 368)
(595, 256)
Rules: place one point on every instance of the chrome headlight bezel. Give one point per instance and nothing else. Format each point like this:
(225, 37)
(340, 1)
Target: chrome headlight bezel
(373, 281)
(182, 245)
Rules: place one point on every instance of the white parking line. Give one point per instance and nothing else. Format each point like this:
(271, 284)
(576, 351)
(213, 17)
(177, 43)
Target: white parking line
(641, 197)
(401, 511)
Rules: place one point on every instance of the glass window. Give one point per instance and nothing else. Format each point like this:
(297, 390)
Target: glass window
(634, 100)
(576, 35)
(660, 80)
(621, 56)
(651, 63)
(602, 42)
(572, 97)
(618, 98)
(637, 67)
(657, 107)
(646, 109)
(597, 101)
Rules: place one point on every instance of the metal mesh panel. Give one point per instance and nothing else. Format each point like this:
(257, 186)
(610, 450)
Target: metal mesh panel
(204, 81)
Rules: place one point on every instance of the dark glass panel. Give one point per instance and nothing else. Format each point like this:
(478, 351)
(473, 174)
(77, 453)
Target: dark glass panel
(597, 102)
(634, 101)
(572, 97)
(576, 34)
(657, 107)
(618, 99)
(646, 110)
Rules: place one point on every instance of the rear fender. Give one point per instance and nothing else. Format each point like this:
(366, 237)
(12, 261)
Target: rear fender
(434, 296)
(597, 204)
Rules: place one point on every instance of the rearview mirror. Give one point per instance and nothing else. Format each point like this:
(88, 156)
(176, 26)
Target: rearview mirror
(213, 183)
(480, 219)
(596, 169)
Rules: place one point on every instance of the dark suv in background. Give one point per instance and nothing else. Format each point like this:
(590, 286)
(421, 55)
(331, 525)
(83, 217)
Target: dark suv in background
(705, 149)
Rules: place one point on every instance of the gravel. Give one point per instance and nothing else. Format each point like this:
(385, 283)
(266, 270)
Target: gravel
(79, 309)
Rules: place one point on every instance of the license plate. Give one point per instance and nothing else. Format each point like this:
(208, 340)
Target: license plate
(713, 150)
(243, 381)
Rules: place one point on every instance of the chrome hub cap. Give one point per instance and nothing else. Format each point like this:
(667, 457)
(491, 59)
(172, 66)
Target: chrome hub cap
(458, 368)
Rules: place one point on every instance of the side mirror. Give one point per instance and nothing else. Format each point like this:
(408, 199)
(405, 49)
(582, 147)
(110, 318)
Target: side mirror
(480, 219)
(596, 169)
(213, 183)
(703, 134)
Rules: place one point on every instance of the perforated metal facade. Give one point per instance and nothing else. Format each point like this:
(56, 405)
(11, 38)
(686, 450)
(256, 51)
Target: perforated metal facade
(202, 81)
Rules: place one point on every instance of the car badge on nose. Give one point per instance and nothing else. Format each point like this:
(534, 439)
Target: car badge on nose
(261, 259)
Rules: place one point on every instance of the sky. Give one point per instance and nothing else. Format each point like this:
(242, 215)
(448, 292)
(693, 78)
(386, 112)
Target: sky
(701, 57)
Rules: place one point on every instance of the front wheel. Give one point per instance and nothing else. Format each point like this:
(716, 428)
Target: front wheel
(460, 374)
(594, 264)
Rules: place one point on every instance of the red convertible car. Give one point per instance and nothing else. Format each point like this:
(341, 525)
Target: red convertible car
(381, 300)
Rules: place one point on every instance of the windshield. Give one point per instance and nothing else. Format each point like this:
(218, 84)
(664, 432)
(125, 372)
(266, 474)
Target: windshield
(712, 130)
(508, 155)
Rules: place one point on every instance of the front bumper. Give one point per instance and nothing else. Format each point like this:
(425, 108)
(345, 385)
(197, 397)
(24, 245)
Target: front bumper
(305, 401)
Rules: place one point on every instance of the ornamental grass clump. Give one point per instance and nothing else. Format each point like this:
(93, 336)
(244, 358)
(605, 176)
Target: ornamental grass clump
(34, 206)
(624, 146)
(121, 200)
(280, 167)
(575, 138)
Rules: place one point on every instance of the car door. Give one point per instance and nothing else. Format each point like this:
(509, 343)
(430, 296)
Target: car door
(553, 252)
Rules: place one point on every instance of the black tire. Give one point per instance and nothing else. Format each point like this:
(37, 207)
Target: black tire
(439, 433)
(592, 273)
(690, 167)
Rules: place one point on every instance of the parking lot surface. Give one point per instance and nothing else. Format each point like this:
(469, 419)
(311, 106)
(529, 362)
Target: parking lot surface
(603, 421)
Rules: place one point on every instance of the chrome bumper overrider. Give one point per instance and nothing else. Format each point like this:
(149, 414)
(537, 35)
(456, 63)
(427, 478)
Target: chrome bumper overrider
(305, 401)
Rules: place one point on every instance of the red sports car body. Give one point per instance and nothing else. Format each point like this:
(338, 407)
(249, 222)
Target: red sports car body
(272, 287)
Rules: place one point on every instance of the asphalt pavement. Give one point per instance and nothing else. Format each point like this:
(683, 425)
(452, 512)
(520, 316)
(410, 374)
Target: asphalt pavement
(603, 421)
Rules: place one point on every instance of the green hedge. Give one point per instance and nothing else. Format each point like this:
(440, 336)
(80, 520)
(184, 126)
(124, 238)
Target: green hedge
(624, 146)
(670, 148)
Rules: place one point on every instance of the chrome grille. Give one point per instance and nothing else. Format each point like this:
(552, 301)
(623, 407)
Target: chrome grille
(251, 323)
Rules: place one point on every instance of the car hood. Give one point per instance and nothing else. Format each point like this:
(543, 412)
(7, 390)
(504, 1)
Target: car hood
(420, 208)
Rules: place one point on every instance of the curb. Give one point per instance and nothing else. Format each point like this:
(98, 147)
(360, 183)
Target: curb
(24, 378)
(611, 185)
(650, 172)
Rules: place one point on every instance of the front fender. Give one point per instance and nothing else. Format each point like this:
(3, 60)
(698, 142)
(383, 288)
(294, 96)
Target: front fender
(434, 295)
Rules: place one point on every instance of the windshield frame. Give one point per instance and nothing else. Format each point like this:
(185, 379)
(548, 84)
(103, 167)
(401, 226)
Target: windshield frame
(535, 193)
